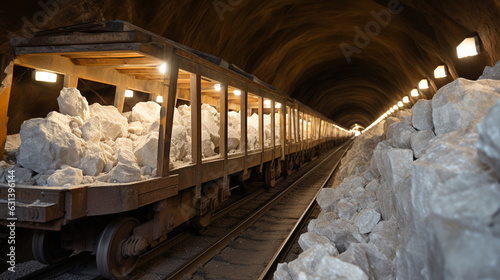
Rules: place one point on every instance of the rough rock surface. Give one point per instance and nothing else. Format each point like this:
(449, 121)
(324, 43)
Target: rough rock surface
(48, 143)
(489, 138)
(419, 141)
(146, 150)
(462, 103)
(66, 175)
(72, 103)
(145, 112)
(422, 115)
(440, 212)
(492, 73)
(113, 123)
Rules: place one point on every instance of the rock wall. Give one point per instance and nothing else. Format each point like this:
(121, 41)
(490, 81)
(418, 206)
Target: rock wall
(416, 197)
(94, 144)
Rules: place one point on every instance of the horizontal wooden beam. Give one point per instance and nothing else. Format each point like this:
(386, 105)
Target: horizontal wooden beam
(125, 62)
(82, 38)
(63, 65)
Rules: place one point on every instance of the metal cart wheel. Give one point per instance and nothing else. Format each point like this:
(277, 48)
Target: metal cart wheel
(110, 258)
(46, 247)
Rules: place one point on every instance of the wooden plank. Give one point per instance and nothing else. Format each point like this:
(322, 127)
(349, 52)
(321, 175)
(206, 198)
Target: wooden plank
(59, 64)
(82, 38)
(196, 132)
(70, 81)
(223, 132)
(244, 128)
(4, 105)
(116, 47)
(120, 62)
(120, 97)
(261, 129)
(170, 103)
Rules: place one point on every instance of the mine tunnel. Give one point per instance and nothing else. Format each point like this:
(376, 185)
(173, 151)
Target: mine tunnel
(238, 139)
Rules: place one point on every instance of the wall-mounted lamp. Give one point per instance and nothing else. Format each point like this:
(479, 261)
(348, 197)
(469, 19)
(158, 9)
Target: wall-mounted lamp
(159, 99)
(395, 107)
(414, 92)
(237, 92)
(440, 72)
(406, 99)
(423, 84)
(129, 93)
(217, 87)
(42, 76)
(468, 47)
(392, 110)
(400, 104)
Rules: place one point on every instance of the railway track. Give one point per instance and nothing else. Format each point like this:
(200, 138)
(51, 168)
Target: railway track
(260, 220)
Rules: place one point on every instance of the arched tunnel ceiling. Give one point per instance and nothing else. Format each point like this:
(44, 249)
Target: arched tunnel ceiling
(297, 45)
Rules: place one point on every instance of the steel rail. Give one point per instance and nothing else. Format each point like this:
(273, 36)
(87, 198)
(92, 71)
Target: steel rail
(206, 255)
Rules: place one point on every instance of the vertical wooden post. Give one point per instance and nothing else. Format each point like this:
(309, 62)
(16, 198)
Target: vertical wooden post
(273, 124)
(3, 65)
(70, 81)
(283, 131)
(195, 90)
(4, 105)
(167, 114)
(244, 128)
(120, 98)
(223, 132)
(261, 131)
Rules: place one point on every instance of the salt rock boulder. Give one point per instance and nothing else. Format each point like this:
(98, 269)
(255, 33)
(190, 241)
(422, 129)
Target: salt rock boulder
(400, 134)
(309, 260)
(309, 239)
(125, 173)
(207, 146)
(22, 175)
(462, 103)
(66, 175)
(489, 138)
(422, 115)
(91, 130)
(441, 180)
(419, 141)
(179, 144)
(492, 73)
(93, 160)
(145, 112)
(367, 220)
(334, 268)
(72, 103)
(113, 123)
(12, 145)
(48, 143)
(146, 150)
(233, 139)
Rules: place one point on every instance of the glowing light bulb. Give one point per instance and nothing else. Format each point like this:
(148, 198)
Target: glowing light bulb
(159, 99)
(162, 68)
(237, 92)
(395, 107)
(406, 99)
(392, 110)
(414, 92)
(43, 76)
(400, 104)
(129, 93)
(217, 87)
(468, 47)
(440, 72)
(423, 84)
